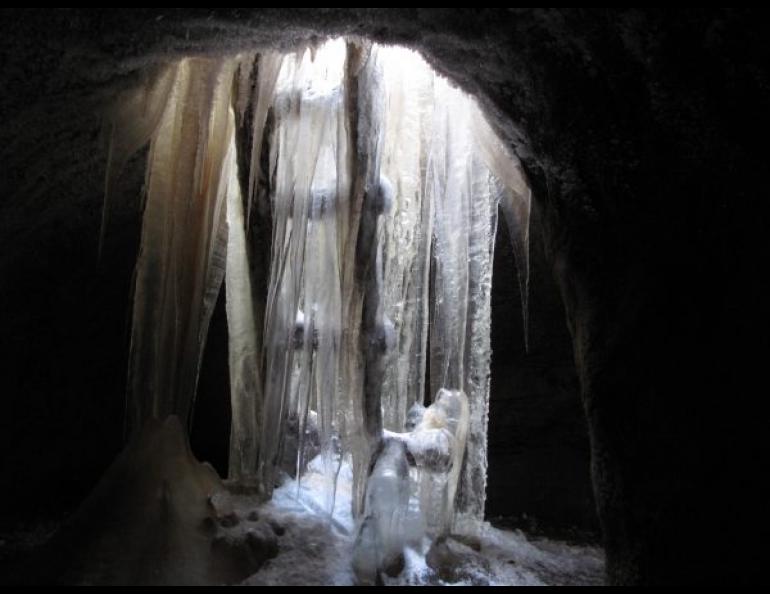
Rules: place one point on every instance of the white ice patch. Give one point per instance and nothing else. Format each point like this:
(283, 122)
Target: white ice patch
(317, 549)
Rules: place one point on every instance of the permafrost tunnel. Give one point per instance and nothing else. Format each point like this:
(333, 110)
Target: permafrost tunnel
(269, 238)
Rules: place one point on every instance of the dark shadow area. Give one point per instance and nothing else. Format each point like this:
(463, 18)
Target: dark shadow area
(539, 455)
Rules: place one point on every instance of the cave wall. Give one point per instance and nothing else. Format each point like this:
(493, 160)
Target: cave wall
(643, 135)
(539, 452)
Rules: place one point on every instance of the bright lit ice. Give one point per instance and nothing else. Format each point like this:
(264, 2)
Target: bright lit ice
(368, 383)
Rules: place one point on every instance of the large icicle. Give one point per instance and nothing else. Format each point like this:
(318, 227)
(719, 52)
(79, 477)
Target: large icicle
(376, 176)
(245, 306)
(515, 202)
(131, 123)
(245, 381)
(181, 261)
(407, 228)
(464, 195)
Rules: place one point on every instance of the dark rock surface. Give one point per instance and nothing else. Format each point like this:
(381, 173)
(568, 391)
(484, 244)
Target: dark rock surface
(643, 134)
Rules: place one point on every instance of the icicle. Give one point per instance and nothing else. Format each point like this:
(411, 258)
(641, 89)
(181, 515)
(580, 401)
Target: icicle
(302, 360)
(449, 187)
(181, 262)
(464, 192)
(407, 228)
(382, 176)
(245, 381)
(515, 202)
(267, 75)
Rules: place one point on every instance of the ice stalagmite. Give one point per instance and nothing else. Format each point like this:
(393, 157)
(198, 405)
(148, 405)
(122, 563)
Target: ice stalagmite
(181, 261)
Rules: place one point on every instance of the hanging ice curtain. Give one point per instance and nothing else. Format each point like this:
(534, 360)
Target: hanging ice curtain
(383, 182)
(181, 262)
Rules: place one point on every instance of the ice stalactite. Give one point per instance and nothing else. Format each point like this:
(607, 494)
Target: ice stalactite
(382, 183)
(515, 202)
(245, 380)
(407, 228)
(245, 310)
(303, 316)
(465, 204)
(182, 254)
(131, 124)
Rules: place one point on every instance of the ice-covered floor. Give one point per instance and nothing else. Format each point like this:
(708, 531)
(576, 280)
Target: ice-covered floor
(314, 550)
(160, 517)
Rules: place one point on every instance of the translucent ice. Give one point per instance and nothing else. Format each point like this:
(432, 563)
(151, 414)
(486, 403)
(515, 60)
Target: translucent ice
(245, 381)
(182, 255)
(380, 183)
(437, 446)
(302, 324)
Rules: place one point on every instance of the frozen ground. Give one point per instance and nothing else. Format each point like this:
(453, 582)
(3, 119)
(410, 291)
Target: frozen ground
(316, 550)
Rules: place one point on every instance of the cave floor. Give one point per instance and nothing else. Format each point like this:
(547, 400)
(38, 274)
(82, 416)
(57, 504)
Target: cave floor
(217, 534)
(315, 551)
(312, 551)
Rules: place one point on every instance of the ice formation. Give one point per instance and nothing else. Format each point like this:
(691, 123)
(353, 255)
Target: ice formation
(379, 183)
(181, 262)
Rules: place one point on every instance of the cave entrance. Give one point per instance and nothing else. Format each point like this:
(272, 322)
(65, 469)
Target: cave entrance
(347, 196)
